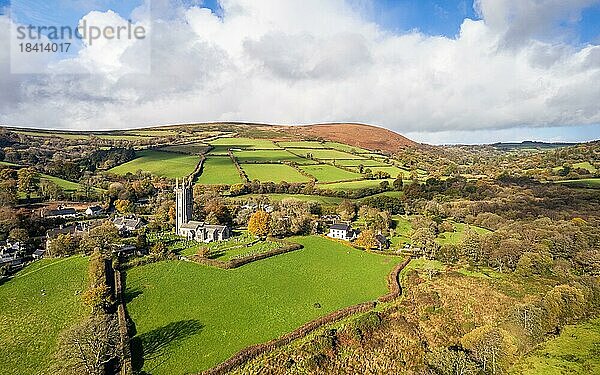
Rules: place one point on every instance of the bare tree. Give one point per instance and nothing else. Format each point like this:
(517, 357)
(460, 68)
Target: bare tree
(89, 347)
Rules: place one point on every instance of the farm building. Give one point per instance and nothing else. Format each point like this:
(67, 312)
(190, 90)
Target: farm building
(61, 212)
(94, 211)
(128, 224)
(342, 232)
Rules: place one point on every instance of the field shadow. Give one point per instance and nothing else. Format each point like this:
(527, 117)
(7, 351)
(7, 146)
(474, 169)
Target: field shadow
(130, 294)
(156, 344)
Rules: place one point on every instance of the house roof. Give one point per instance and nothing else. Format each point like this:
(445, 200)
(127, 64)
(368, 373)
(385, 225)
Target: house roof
(39, 252)
(381, 239)
(345, 227)
(69, 229)
(128, 223)
(196, 225)
(62, 212)
(95, 208)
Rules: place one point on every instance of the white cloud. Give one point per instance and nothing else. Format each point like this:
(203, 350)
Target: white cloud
(316, 61)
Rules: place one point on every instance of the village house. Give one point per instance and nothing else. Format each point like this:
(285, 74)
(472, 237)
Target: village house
(194, 230)
(74, 229)
(38, 254)
(60, 213)
(127, 225)
(342, 232)
(94, 211)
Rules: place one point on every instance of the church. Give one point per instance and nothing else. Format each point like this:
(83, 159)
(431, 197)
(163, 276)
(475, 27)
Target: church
(194, 230)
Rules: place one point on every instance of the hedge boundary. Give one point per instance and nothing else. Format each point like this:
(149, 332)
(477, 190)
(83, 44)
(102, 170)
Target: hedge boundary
(235, 263)
(126, 364)
(252, 352)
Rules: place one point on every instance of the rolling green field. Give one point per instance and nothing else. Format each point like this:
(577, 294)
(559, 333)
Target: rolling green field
(244, 143)
(219, 170)
(365, 162)
(393, 171)
(273, 173)
(325, 154)
(329, 173)
(197, 148)
(354, 185)
(163, 164)
(37, 304)
(455, 238)
(346, 148)
(269, 155)
(190, 317)
(576, 351)
(590, 183)
(67, 186)
(301, 144)
(328, 201)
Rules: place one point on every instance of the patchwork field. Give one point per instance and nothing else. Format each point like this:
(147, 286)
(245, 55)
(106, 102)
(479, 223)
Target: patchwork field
(324, 154)
(197, 148)
(575, 351)
(329, 173)
(273, 173)
(159, 163)
(244, 143)
(219, 170)
(301, 144)
(365, 162)
(37, 304)
(190, 317)
(393, 171)
(354, 185)
(346, 148)
(269, 155)
(457, 236)
(328, 201)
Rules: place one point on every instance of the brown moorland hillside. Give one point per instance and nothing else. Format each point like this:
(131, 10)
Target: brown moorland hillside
(359, 135)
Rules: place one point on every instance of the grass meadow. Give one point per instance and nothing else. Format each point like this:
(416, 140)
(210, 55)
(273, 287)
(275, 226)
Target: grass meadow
(273, 173)
(325, 154)
(576, 351)
(158, 163)
(329, 173)
(327, 201)
(354, 185)
(244, 143)
(190, 317)
(365, 162)
(301, 144)
(346, 148)
(269, 155)
(219, 170)
(37, 304)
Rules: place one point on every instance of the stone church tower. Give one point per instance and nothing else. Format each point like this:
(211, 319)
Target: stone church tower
(184, 201)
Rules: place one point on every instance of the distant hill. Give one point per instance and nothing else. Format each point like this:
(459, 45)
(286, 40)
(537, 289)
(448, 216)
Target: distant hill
(359, 135)
(531, 144)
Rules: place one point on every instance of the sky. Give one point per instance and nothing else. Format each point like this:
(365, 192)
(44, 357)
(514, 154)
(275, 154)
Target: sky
(442, 72)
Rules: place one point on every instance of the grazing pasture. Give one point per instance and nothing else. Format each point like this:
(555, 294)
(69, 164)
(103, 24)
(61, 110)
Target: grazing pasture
(329, 173)
(67, 186)
(259, 156)
(365, 162)
(457, 236)
(41, 301)
(159, 163)
(219, 170)
(346, 148)
(324, 154)
(197, 148)
(393, 171)
(575, 352)
(244, 143)
(190, 317)
(327, 201)
(273, 173)
(353, 185)
(301, 144)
